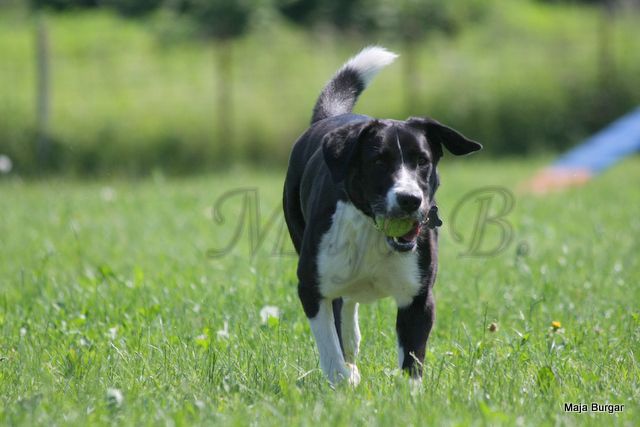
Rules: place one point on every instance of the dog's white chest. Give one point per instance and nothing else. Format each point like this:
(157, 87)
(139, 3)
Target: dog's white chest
(355, 262)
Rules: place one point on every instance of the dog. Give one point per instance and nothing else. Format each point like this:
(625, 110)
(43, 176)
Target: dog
(347, 175)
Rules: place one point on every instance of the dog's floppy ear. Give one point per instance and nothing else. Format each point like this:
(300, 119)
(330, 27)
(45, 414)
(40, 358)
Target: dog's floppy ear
(340, 146)
(443, 135)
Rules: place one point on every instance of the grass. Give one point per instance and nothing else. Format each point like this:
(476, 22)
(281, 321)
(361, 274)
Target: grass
(107, 285)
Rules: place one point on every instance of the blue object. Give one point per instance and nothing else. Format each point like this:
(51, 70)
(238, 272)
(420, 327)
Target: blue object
(606, 147)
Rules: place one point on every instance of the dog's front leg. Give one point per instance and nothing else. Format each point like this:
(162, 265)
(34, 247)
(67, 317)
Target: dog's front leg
(413, 325)
(331, 359)
(320, 312)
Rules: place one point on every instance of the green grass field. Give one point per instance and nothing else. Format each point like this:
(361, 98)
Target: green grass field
(107, 286)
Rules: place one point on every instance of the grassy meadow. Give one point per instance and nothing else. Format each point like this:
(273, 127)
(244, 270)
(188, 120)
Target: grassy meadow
(113, 310)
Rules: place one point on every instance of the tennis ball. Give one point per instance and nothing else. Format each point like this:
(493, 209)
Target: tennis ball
(394, 227)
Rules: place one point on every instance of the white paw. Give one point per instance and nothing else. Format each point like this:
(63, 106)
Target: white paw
(354, 374)
(348, 373)
(415, 385)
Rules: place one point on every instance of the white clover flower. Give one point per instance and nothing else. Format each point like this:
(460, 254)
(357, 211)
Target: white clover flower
(224, 332)
(269, 311)
(114, 397)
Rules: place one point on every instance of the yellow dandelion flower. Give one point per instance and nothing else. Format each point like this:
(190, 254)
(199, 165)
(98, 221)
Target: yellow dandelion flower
(556, 325)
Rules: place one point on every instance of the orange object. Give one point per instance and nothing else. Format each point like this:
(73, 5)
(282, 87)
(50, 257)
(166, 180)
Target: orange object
(555, 179)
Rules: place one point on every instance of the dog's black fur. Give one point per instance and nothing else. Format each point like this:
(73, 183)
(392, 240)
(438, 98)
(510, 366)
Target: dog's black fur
(355, 159)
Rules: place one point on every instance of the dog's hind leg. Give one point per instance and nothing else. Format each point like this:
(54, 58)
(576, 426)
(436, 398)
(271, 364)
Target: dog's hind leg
(293, 215)
(350, 331)
(337, 318)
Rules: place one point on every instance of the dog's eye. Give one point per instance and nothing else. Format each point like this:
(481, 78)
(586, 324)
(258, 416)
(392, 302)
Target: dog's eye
(422, 160)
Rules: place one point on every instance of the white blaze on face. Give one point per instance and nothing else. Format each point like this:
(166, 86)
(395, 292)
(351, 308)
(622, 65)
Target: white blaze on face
(405, 183)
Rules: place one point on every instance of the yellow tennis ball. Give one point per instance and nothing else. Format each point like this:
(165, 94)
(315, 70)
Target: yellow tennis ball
(394, 227)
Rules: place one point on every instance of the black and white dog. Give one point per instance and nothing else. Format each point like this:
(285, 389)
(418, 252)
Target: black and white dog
(346, 173)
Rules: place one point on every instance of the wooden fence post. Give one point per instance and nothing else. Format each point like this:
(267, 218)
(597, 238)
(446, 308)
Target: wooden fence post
(43, 148)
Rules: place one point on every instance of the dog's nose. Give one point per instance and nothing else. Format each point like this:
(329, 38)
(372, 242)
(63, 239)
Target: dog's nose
(409, 202)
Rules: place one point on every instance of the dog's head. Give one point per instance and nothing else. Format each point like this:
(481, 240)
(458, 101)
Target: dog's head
(388, 167)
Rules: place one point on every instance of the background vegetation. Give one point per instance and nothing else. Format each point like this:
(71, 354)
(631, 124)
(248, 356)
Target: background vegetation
(139, 86)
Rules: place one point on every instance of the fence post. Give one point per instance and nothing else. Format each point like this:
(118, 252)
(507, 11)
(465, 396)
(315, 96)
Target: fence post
(43, 149)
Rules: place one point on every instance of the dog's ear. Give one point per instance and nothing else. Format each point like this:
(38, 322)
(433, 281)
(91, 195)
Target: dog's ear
(340, 146)
(441, 135)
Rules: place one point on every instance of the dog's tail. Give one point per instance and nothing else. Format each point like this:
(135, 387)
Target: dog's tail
(341, 93)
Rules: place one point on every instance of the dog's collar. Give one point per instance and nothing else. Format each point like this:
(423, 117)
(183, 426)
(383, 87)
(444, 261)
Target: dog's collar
(433, 220)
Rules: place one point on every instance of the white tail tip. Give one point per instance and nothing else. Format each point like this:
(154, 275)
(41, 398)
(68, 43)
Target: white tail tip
(369, 61)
